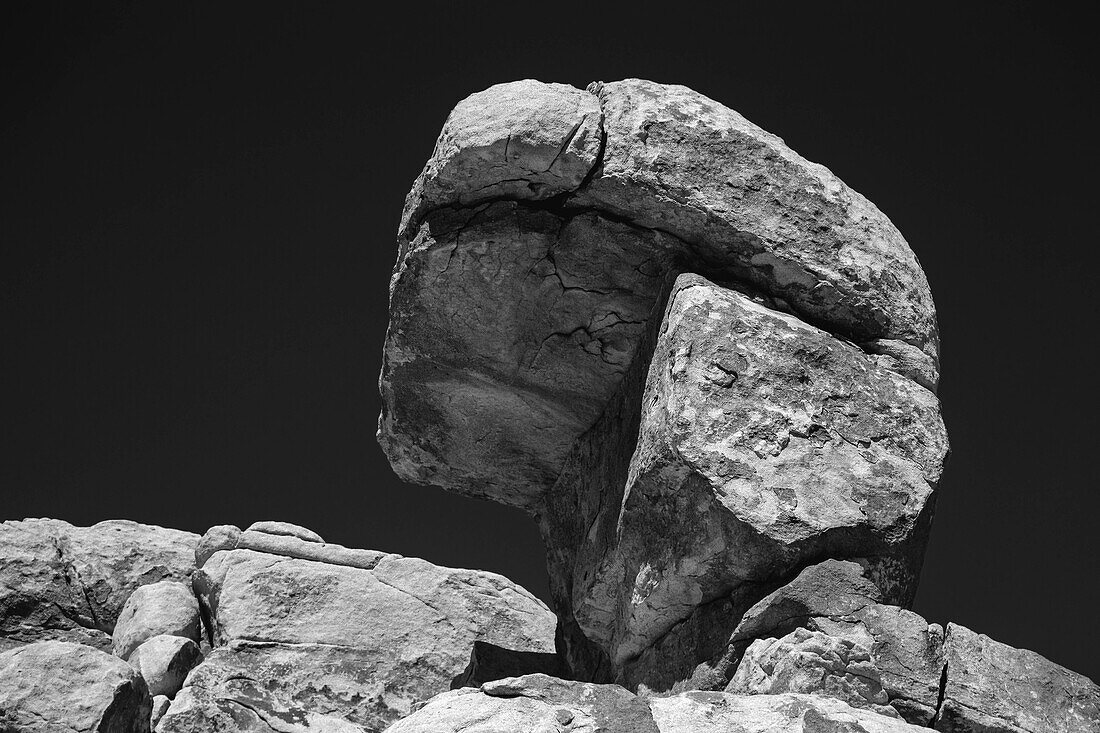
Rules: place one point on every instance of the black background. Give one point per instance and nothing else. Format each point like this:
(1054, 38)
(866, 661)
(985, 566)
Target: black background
(198, 219)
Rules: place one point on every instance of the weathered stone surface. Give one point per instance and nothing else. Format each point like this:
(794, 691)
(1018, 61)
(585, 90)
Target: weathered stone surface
(906, 650)
(812, 662)
(296, 638)
(535, 703)
(308, 550)
(220, 537)
(168, 607)
(286, 529)
(992, 687)
(289, 541)
(490, 662)
(164, 661)
(69, 583)
(566, 298)
(804, 446)
(520, 140)
(61, 687)
(704, 712)
(763, 444)
(160, 707)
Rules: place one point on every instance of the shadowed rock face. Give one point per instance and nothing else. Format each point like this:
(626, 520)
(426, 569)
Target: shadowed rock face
(699, 360)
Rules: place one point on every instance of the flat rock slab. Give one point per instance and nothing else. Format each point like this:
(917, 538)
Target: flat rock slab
(63, 582)
(296, 637)
(994, 687)
(62, 687)
(285, 529)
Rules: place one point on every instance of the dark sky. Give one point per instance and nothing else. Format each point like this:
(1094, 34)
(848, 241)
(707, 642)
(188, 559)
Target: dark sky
(198, 216)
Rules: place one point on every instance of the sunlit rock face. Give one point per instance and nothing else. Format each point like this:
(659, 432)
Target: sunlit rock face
(699, 360)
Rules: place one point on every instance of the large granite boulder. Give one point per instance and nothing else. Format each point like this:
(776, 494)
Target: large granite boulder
(63, 687)
(341, 638)
(70, 583)
(778, 411)
(763, 444)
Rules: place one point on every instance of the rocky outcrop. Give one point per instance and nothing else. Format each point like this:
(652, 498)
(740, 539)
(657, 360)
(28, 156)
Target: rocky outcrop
(56, 686)
(69, 583)
(540, 703)
(340, 636)
(674, 456)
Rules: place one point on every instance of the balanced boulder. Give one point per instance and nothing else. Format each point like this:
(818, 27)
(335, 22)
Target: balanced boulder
(713, 363)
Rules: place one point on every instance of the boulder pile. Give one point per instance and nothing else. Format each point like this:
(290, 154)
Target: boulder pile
(707, 369)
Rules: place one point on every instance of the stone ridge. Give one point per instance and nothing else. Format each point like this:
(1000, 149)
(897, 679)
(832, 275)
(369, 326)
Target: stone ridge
(292, 645)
